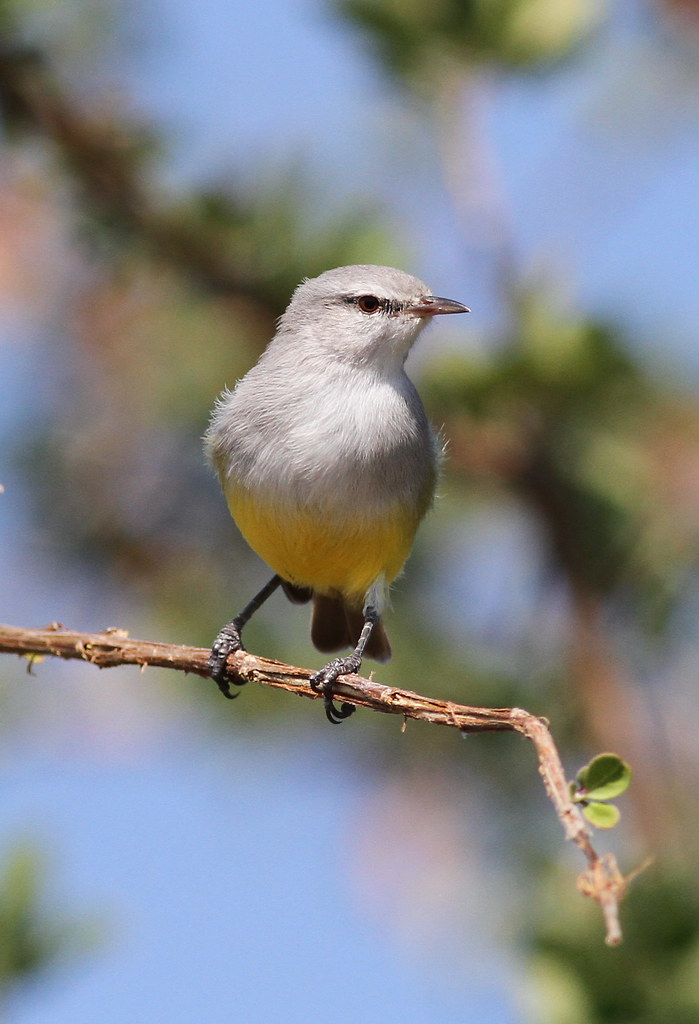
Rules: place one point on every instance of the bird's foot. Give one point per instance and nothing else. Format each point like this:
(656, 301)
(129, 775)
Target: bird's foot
(324, 680)
(227, 641)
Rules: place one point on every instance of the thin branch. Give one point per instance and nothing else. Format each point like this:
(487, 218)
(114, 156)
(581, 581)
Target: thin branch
(602, 880)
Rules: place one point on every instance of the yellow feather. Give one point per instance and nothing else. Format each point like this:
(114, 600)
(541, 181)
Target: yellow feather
(332, 556)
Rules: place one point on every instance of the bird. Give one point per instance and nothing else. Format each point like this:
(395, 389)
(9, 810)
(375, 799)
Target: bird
(328, 462)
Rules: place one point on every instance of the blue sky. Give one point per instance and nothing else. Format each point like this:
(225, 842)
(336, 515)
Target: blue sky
(217, 874)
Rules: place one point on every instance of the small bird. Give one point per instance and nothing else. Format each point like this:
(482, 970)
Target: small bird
(328, 462)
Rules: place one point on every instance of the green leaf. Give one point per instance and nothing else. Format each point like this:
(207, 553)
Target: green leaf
(601, 815)
(605, 777)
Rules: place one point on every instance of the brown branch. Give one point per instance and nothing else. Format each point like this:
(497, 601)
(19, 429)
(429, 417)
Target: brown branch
(602, 880)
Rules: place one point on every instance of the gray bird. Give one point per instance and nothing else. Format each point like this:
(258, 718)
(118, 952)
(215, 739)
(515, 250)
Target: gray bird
(328, 462)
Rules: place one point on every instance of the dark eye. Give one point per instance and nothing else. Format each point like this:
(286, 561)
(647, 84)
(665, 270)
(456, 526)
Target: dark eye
(368, 303)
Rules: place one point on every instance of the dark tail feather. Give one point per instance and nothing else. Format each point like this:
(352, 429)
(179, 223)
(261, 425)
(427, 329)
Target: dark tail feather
(297, 595)
(335, 627)
(328, 625)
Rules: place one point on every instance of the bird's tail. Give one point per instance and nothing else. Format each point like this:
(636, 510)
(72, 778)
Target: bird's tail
(334, 626)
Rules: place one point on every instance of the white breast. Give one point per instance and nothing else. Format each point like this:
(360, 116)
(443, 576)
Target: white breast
(336, 441)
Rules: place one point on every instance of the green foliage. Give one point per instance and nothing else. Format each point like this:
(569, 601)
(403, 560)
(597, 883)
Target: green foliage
(286, 232)
(419, 39)
(32, 937)
(605, 777)
(566, 419)
(652, 977)
(601, 815)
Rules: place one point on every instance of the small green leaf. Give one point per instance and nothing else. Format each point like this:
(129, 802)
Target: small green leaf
(605, 777)
(601, 815)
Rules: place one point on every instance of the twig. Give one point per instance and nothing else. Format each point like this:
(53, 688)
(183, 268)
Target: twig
(602, 880)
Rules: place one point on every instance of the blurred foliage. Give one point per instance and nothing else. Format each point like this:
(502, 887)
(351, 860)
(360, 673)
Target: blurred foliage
(255, 244)
(420, 42)
(33, 935)
(168, 297)
(653, 976)
(565, 418)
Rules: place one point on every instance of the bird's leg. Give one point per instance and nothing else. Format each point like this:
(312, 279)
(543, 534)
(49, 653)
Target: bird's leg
(228, 640)
(326, 677)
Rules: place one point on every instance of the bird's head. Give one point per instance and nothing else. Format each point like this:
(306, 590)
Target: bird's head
(365, 313)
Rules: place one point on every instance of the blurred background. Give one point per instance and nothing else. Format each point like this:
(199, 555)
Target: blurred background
(169, 172)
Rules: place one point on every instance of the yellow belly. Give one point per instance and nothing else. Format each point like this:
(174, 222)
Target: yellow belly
(332, 557)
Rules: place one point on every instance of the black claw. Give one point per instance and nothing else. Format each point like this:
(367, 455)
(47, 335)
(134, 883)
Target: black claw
(323, 682)
(224, 684)
(337, 715)
(227, 641)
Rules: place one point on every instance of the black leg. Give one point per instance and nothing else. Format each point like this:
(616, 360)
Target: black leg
(324, 680)
(228, 639)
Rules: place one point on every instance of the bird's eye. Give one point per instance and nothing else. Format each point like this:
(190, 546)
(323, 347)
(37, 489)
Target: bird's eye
(368, 303)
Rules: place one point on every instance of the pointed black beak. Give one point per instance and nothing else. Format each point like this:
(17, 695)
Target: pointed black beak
(433, 305)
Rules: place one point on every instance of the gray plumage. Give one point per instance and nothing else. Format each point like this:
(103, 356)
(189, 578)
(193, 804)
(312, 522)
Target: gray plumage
(328, 424)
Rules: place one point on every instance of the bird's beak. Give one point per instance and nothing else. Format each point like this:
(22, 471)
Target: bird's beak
(432, 305)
